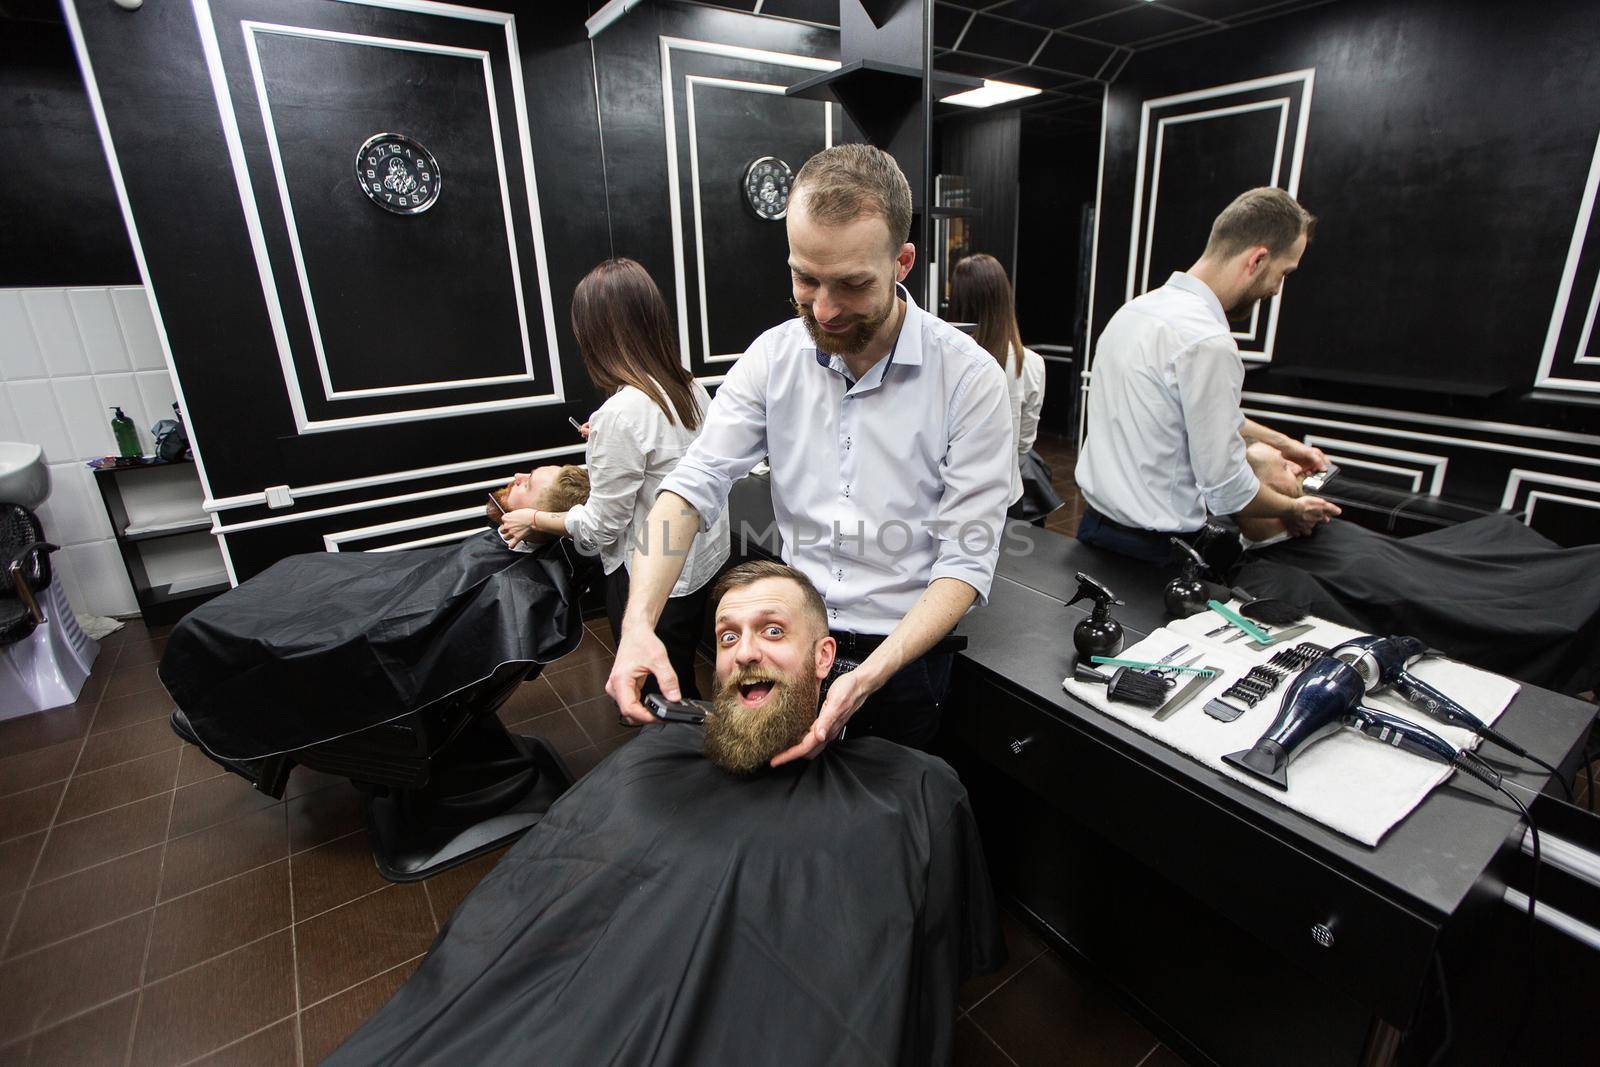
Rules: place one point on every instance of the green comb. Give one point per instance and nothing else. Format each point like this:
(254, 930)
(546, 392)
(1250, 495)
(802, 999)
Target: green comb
(1141, 665)
(1239, 620)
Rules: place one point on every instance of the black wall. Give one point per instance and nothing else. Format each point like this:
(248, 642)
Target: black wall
(600, 160)
(983, 148)
(59, 220)
(1446, 155)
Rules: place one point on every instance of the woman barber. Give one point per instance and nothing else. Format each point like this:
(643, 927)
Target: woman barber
(652, 411)
(981, 293)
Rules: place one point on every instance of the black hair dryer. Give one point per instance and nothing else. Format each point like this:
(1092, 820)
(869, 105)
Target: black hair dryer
(1189, 593)
(1099, 634)
(1325, 698)
(1384, 664)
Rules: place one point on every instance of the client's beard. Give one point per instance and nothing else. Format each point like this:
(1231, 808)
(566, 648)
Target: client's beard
(743, 740)
(853, 340)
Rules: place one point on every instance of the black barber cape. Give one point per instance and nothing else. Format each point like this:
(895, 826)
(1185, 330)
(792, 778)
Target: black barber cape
(665, 912)
(322, 645)
(1489, 592)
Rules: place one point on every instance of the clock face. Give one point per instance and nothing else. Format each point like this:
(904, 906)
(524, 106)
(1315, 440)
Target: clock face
(398, 174)
(766, 187)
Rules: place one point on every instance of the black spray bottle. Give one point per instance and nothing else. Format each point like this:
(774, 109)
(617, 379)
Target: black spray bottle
(1099, 634)
(1188, 593)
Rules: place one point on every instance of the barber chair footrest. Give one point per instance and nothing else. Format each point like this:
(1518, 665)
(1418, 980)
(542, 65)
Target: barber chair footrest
(408, 847)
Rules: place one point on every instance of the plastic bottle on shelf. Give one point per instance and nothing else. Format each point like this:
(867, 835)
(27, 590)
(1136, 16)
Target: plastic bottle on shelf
(127, 437)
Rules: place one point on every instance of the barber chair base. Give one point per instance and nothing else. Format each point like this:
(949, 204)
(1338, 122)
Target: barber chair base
(416, 833)
(47, 668)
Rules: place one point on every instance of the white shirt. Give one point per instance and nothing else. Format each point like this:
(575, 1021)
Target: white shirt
(1014, 387)
(1163, 446)
(633, 445)
(873, 483)
(1032, 401)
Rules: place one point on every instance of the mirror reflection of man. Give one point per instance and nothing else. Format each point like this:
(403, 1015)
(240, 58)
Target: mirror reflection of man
(1166, 436)
(889, 438)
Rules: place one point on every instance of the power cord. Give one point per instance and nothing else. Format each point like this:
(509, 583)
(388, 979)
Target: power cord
(1533, 895)
(1444, 1007)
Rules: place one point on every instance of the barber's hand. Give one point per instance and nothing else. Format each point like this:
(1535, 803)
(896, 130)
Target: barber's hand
(640, 654)
(516, 526)
(845, 697)
(1307, 458)
(1309, 512)
(584, 430)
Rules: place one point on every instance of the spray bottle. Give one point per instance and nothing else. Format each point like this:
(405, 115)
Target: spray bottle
(1099, 634)
(127, 437)
(1187, 594)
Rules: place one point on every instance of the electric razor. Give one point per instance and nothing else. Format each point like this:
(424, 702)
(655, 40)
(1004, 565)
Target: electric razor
(1382, 663)
(692, 712)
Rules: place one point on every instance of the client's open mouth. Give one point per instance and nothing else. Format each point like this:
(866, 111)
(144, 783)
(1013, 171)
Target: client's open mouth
(754, 694)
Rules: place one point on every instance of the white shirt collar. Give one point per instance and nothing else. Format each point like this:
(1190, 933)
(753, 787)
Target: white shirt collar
(1190, 284)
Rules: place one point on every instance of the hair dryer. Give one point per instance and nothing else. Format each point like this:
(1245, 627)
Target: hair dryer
(1382, 663)
(1326, 697)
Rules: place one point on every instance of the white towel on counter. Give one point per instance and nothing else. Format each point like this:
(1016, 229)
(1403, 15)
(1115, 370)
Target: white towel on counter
(1346, 781)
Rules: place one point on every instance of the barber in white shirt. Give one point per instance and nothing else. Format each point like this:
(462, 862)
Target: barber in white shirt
(1166, 439)
(653, 410)
(891, 451)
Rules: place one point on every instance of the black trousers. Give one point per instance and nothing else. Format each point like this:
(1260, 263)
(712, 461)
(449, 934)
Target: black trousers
(680, 626)
(907, 709)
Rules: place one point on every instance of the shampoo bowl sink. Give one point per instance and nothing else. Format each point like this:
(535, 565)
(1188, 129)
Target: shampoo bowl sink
(24, 479)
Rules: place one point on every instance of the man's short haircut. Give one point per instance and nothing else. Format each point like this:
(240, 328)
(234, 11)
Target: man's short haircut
(570, 489)
(756, 570)
(844, 182)
(1266, 217)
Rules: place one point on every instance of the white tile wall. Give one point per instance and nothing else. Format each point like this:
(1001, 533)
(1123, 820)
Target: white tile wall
(66, 355)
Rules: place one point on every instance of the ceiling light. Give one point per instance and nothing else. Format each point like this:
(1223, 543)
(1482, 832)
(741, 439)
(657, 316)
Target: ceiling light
(991, 93)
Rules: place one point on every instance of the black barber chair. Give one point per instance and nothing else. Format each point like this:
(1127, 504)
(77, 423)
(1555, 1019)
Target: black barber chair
(388, 670)
(444, 784)
(25, 555)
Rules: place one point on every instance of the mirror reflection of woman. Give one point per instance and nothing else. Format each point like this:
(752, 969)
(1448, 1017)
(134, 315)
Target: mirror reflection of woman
(980, 292)
(653, 410)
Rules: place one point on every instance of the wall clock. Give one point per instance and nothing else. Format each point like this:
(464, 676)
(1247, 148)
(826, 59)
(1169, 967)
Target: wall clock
(766, 187)
(398, 174)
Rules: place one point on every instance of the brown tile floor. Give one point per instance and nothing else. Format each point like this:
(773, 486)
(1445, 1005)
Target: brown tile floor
(1061, 453)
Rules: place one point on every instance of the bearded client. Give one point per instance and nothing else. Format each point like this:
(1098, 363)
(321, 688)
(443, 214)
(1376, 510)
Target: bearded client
(687, 903)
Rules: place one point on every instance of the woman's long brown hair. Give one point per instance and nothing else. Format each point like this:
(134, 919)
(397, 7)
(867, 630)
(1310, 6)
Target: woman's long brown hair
(981, 293)
(626, 339)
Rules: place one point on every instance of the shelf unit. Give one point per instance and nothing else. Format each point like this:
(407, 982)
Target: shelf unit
(164, 534)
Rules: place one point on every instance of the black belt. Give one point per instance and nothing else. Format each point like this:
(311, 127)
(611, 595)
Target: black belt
(857, 647)
(1154, 537)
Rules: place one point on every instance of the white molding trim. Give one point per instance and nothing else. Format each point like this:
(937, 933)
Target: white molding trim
(211, 48)
(251, 29)
(1416, 435)
(1547, 378)
(669, 117)
(1509, 428)
(103, 128)
(1436, 464)
(1534, 496)
(1519, 476)
(1307, 78)
(694, 188)
(1094, 265)
(347, 484)
(332, 541)
(1282, 104)
(361, 505)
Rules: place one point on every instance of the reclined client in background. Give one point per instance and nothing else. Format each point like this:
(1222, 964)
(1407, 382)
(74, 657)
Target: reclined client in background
(685, 903)
(325, 644)
(1490, 592)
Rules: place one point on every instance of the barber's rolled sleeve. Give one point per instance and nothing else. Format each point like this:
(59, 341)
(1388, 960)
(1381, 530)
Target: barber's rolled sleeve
(733, 439)
(976, 472)
(616, 463)
(1210, 378)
